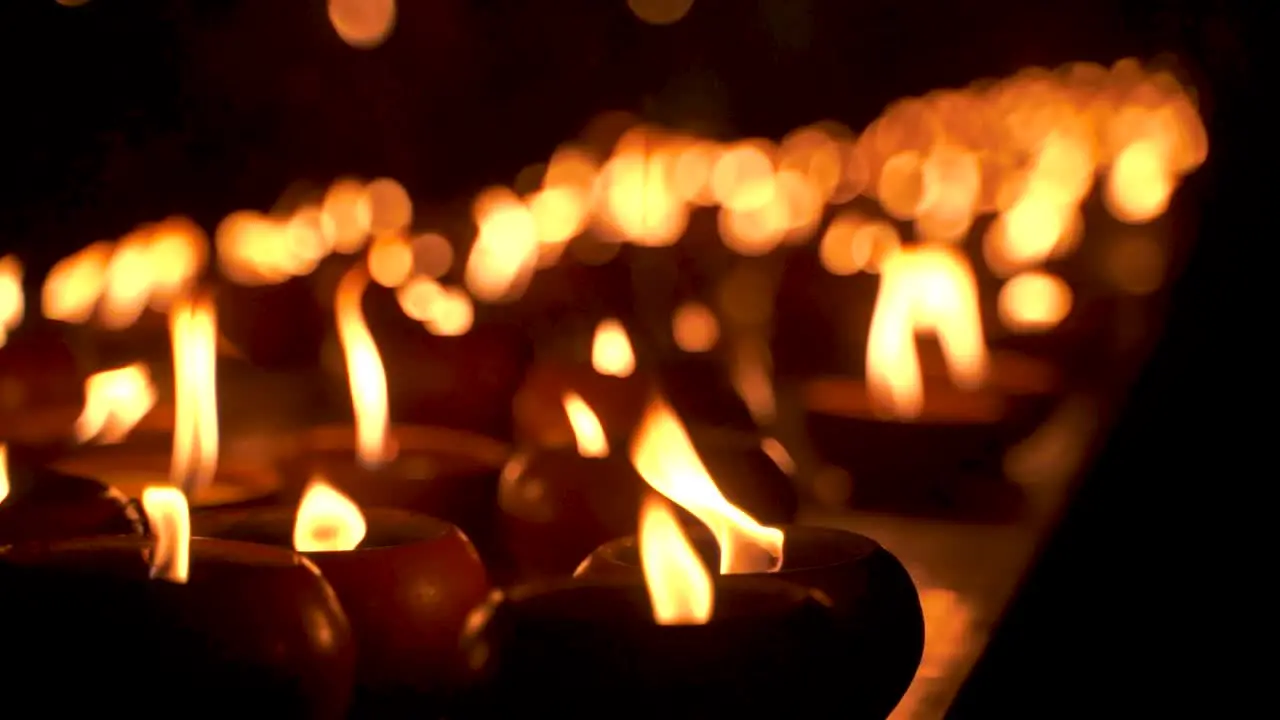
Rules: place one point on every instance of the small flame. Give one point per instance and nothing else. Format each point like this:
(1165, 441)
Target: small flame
(679, 585)
(194, 332)
(4, 471)
(611, 352)
(170, 521)
(12, 299)
(924, 290)
(665, 457)
(587, 430)
(115, 401)
(327, 520)
(368, 378)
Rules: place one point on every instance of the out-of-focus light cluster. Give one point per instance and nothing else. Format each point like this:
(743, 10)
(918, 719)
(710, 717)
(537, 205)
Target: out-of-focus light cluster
(147, 268)
(1026, 150)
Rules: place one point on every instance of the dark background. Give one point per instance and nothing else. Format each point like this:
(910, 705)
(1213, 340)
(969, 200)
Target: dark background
(122, 111)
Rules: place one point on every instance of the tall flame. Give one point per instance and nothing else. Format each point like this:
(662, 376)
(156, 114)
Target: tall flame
(327, 520)
(194, 333)
(4, 471)
(115, 401)
(366, 374)
(665, 457)
(611, 352)
(679, 585)
(923, 290)
(170, 521)
(588, 433)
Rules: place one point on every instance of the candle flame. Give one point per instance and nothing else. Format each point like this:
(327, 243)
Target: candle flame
(679, 585)
(327, 520)
(194, 332)
(611, 352)
(924, 290)
(170, 521)
(74, 284)
(4, 471)
(12, 298)
(588, 433)
(665, 457)
(115, 401)
(367, 377)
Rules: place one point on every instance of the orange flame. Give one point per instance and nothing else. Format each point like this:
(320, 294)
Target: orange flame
(679, 585)
(12, 302)
(611, 352)
(327, 520)
(115, 401)
(170, 521)
(924, 290)
(587, 430)
(194, 332)
(4, 471)
(665, 457)
(367, 377)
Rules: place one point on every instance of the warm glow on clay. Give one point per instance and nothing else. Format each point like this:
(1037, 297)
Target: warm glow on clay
(194, 333)
(169, 518)
(679, 585)
(327, 520)
(588, 433)
(115, 401)
(665, 457)
(365, 373)
(611, 352)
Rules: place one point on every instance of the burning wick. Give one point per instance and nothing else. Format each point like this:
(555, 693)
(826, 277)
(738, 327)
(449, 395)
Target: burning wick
(678, 583)
(327, 520)
(170, 520)
(194, 332)
(665, 457)
(367, 376)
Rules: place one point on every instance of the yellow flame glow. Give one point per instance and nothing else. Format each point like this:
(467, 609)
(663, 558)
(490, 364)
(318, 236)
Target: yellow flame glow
(679, 585)
(115, 401)
(327, 520)
(611, 352)
(170, 521)
(194, 333)
(588, 433)
(365, 372)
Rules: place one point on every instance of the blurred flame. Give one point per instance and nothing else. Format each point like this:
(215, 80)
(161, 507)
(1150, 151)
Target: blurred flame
(390, 260)
(327, 520)
(363, 24)
(506, 248)
(1033, 301)
(452, 313)
(170, 522)
(194, 333)
(665, 457)
(12, 302)
(4, 471)
(611, 352)
(929, 289)
(695, 327)
(367, 377)
(73, 286)
(115, 401)
(749, 369)
(679, 585)
(588, 433)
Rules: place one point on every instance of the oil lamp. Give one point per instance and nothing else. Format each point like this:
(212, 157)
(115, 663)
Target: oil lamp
(446, 473)
(40, 505)
(223, 624)
(880, 626)
(682, 643)
(406, 582)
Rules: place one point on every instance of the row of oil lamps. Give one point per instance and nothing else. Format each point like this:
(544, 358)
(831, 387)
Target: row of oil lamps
(329, 608)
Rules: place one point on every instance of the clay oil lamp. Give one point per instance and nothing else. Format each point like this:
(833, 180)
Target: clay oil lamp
(122, 400)
(964, 403)
(881, 631)
(672, 641)
(39, 505)
(406, 582)
(559, 503)
(209, 625)
(445, 473)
